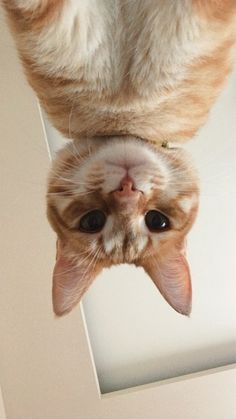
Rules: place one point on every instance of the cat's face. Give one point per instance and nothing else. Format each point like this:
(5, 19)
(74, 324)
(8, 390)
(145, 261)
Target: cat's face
(120, 200)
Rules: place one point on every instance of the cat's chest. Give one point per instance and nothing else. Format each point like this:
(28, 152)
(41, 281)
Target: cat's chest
(109, 46)
(144, 45)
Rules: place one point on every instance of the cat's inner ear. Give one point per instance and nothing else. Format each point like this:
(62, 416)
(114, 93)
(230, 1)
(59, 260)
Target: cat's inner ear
(171, 275)
(71, 278)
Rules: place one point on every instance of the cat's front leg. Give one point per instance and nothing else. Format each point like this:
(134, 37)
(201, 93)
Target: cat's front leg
(28, 15)
(30, 5)
(48, 34)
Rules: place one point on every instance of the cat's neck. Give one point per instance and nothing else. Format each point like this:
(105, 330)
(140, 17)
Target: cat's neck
(157, 143)
(95, 142)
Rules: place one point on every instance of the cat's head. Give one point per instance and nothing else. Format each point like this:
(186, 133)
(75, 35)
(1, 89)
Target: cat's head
(121, 200)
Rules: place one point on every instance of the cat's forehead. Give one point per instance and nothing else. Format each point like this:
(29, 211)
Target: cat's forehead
(123, 239)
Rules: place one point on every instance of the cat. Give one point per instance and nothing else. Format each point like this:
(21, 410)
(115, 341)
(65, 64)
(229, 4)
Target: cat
(121, 79)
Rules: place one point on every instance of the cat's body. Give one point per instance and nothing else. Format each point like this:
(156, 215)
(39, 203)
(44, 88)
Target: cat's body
(149, 68)
(145, 70)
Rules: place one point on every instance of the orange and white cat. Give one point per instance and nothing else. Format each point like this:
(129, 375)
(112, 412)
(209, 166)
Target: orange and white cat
(120, 77)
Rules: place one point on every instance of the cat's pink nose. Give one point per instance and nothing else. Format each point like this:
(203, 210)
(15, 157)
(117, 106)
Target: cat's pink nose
(127, 189)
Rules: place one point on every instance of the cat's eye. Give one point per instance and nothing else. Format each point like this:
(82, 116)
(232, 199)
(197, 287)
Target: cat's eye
(92, 222)
(156, 221)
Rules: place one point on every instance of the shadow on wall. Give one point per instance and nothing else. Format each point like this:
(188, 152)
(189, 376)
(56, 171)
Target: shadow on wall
(158, 369)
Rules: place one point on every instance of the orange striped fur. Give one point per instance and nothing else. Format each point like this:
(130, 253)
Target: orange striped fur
(149, 114)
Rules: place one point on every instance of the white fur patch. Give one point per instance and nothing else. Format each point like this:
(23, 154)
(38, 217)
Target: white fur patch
(141, 243)
(111, 240)
(93, 246)
(114, 241)
(111, 245)
(187, 203)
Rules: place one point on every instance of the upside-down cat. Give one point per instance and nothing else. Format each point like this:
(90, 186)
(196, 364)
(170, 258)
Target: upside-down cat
(120, 77)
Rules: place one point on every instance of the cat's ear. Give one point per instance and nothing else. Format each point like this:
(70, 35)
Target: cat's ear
(71, 278)
(171, 275)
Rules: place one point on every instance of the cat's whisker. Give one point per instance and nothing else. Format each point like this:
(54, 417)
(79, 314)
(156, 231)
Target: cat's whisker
(57, 175)
(70, 116)
(70, 185)
(68, 167)
(81, 262)
(74, 191)
(75, 186)
(89, 148)
(72, 149)
(75, 153)
(85, 253)
(70, 180)
(65, 272)
(75, 265)
(92, 263)
(73, 182)
(66, 194)
(182, 170)
(67, 190)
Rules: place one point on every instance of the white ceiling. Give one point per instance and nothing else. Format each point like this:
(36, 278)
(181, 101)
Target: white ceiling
(136, 337)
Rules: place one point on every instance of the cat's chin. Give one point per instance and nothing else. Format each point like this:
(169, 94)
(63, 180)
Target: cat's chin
(114, 157)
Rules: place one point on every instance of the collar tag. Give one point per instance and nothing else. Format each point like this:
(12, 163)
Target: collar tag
(169, 145)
